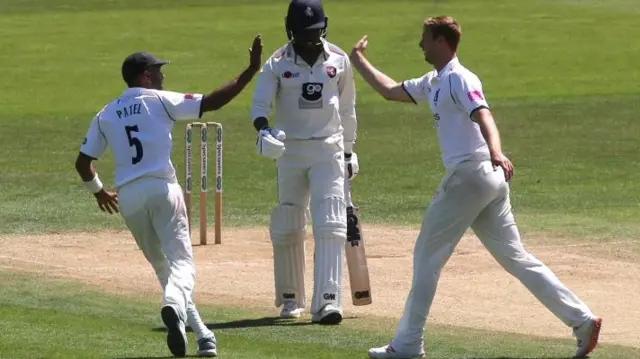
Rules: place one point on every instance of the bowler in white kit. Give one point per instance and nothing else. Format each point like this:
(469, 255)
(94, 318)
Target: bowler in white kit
(137, 126)
(474, 192)
(311, 82)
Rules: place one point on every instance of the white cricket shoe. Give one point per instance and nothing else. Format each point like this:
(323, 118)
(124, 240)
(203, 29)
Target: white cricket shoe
(387, 352)
(207, 347)
(290, 310)
(587, 335)
(329, 314)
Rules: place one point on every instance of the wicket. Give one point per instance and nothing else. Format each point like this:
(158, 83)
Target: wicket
(203, 178)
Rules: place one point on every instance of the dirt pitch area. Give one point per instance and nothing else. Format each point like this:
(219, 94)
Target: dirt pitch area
(473, 291)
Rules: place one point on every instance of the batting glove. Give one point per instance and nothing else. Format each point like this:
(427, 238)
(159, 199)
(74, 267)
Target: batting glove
(269, 142)
(352, 165)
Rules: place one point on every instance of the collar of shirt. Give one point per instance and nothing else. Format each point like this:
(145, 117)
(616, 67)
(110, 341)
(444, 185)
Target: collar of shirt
(448, 67)
(132, 90)
(290, 53)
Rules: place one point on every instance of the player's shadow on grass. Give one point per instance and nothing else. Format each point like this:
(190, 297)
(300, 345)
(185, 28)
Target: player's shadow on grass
(248, 323)
(258, 322)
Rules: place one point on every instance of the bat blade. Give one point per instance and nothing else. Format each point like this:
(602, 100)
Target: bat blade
(356, 256)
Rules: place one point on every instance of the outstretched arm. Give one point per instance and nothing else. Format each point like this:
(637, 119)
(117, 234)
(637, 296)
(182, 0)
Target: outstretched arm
(224, 94)
(386, 86)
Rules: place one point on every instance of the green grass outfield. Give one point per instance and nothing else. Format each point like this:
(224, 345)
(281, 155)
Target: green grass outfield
(43, 317)
(561, 77)
(562, 80)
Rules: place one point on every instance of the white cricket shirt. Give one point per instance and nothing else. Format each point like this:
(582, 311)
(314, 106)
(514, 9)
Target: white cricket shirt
(310, 101)
(453, 94)
(137, 127)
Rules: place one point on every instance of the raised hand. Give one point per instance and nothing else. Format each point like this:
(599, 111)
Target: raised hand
(360, 46)
(255, 53)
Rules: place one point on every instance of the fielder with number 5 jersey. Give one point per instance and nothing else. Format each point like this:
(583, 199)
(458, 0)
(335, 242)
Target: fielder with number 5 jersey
(311, 82)
(137, 126)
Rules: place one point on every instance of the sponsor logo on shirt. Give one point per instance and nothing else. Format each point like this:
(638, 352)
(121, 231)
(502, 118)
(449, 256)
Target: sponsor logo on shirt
(311, 96)
(290, 75)
(475, 95)
(331, 72)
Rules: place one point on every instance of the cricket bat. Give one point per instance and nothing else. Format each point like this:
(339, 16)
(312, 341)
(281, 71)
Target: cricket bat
(355, 253)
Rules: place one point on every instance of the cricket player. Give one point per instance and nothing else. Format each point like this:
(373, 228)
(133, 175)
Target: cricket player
(474, 192)
(137, 127)
(311, 81)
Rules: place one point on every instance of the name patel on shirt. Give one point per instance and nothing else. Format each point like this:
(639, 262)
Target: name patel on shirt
(133, 109)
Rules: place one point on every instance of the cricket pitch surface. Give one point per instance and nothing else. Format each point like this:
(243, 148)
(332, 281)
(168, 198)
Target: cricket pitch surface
(474, 291)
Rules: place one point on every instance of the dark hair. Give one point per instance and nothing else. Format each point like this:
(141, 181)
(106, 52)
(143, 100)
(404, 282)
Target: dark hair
(445, 26)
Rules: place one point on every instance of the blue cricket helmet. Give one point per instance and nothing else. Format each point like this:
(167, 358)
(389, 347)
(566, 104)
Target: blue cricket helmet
(305, 15)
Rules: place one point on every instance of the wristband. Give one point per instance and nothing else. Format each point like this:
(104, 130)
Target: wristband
(95, 185)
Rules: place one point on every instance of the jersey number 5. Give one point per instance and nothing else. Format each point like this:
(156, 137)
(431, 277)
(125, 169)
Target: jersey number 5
(133, 141)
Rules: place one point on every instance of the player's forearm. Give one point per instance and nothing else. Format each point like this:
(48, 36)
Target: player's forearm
(262, 100)
(85, 168)
(349, 124)
(224, 94)
(489, 130)
(374, 77)
(87, 173)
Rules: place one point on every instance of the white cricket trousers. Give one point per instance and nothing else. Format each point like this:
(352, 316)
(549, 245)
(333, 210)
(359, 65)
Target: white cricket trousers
(155, 212)
(474, 194)
(310, 170)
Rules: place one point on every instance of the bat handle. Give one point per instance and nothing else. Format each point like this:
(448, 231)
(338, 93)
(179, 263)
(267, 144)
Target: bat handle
(347, 191)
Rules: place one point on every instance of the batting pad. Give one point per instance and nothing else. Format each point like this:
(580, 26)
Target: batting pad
(327, 272)
(287, 229)
(329, 216)
(330, 233)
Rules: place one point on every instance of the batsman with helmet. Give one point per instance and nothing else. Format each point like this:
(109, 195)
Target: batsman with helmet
(311, 82)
